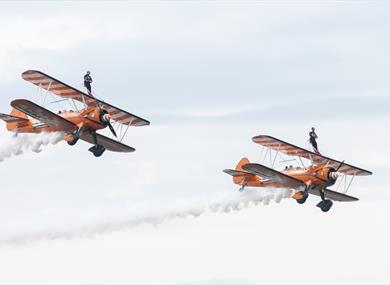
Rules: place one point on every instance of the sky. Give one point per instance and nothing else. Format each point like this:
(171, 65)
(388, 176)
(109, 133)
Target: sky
(208, 75)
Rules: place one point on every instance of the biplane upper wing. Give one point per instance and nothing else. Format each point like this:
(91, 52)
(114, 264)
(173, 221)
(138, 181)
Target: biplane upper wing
(334, 196)
(65, 91)
(108, 143)
(290, 149)
(273, 175)
(44, 115)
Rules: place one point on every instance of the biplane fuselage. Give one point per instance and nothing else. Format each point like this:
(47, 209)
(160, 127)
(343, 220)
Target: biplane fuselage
(28, 117)
(314, 179)
(319, 176)
(87, 119)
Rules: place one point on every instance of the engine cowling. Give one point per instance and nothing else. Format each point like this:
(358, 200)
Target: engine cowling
(328, 174)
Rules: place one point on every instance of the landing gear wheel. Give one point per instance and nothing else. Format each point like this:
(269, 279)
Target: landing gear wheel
(74, 140)
(325, 205)
(97, 150)
(304, 197)
(241, 188)
(301, 201)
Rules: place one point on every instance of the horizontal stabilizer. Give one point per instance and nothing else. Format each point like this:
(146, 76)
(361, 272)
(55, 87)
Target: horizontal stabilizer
(12, 119)
(236, 173)
(334, 196)
(109, 144)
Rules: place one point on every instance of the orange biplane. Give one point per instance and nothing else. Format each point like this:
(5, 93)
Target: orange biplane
(82, 123)
(315, 178)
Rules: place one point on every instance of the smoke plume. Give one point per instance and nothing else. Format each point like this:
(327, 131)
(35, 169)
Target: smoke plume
(24, 143)
(235, 202)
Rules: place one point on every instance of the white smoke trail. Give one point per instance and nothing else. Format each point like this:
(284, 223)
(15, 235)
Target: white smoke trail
(23, 143)
(239, 201)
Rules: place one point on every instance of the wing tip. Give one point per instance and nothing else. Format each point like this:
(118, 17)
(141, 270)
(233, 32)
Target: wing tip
(350, 199)
(143, 123)
(30, 71)
(260, 136)
(227, 171)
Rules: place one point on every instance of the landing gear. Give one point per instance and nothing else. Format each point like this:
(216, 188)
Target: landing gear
(304, 194)
(75, 138)
(241, 188)
(97, 150)
(325, 205)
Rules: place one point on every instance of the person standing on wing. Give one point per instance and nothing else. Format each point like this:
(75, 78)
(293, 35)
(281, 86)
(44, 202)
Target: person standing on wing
(87, 82)
(313, 137)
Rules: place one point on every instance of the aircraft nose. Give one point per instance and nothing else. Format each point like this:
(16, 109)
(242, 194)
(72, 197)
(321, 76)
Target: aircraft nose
(106, 117)
(335, 175)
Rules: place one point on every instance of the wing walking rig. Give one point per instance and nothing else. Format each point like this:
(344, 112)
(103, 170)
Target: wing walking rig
(81, 123)
(315, 178)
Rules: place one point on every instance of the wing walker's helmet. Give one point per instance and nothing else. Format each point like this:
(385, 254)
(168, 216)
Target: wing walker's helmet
(88, 72)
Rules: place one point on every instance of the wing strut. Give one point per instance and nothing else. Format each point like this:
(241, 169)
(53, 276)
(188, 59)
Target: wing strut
(124, 134)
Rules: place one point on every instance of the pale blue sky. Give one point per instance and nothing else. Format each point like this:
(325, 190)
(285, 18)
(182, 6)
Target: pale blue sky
(209, 75)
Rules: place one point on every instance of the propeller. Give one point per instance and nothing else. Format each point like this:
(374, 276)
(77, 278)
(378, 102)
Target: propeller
(105, 118)
(333, 175)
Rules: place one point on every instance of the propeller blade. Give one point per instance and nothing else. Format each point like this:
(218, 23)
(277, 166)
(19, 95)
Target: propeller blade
(112, 129)
(341, 164)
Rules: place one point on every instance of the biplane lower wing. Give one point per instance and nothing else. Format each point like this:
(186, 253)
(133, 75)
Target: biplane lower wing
(13, 119)
(273, 175)
(44, 115)
(290, 149)
(109, 144)
(334, 196)
(276, 176)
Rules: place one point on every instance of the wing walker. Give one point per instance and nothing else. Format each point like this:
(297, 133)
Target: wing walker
(314, 178)
(87, 116)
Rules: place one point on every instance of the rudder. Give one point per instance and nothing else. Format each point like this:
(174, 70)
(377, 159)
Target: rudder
(242, 162)
(241, 180)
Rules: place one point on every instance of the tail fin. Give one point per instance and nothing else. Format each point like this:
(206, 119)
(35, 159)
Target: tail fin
(242, 162)
(242, 177)
(17, 113)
